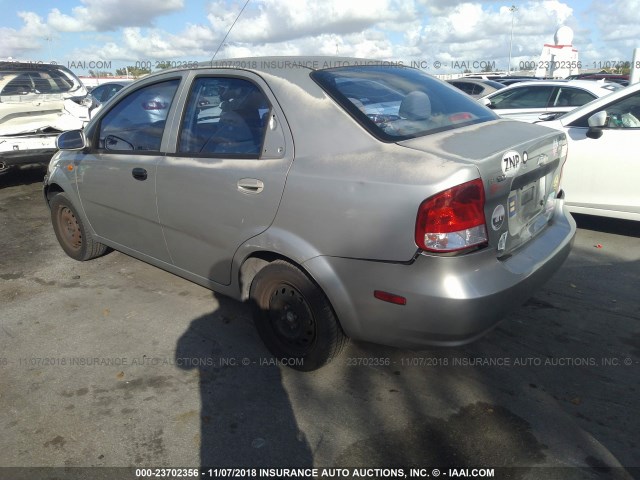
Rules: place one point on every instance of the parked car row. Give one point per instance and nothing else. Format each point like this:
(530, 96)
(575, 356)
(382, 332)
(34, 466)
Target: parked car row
(527, 101)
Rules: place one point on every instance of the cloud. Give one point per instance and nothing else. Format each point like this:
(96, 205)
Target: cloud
(28, 39)
(106, 15)
(276, 21)
(444, 30)
(469, 32)
(194, 42)
(619, 22)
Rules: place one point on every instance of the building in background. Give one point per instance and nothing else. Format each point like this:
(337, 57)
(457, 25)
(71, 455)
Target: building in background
(560, 59)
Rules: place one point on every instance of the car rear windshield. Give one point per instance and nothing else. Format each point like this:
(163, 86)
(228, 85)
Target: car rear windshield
(396, 103)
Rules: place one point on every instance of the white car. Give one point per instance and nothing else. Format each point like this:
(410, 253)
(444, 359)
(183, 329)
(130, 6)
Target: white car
(600, 176)
(527, 101)
(37, 103)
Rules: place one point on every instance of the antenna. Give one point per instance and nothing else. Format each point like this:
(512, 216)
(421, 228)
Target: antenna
(229, 31)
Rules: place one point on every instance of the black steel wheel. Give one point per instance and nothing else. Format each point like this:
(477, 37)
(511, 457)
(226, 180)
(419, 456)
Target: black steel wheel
(294, 318)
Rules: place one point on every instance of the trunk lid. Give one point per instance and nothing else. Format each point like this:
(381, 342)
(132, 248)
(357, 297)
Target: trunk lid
(520, 165)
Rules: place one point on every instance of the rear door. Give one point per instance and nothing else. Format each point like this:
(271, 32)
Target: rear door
(223, 183)
(524, 103)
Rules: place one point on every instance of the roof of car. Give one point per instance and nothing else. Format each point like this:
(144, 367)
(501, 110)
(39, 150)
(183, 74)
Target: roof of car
(30, 67)
(478, 81)
(590, 85)
(278, 65)
(309, 62)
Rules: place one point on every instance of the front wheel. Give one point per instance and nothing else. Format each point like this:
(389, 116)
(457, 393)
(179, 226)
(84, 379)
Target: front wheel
(294, 318)
(71, 232)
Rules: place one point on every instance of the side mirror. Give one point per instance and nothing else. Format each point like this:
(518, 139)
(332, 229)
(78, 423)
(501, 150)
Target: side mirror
(596, 122)
(545, 117)
(71, 140)
(486, 102)
(111, 142)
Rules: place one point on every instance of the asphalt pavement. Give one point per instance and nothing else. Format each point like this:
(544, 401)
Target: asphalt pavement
(115, 363)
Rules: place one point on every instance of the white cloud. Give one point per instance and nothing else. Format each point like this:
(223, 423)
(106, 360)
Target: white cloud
(444, 30)
(29, 38)
(469, 32)
(105, 15)
(282, 20)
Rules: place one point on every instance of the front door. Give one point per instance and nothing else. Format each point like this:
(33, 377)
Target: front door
(602, 173)
(117, 179)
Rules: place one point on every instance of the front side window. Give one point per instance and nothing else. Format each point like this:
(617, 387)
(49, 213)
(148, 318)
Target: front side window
(624, 113)
(224, 116)
(395, 103)
(137, 121)
(532, 96)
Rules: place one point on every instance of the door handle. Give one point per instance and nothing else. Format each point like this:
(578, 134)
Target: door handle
(139, 173)
(250, 185)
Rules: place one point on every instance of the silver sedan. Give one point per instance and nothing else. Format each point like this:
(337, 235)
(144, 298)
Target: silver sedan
(342, 198)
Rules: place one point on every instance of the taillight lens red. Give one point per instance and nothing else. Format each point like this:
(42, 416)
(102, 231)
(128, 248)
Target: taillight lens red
(453, 219)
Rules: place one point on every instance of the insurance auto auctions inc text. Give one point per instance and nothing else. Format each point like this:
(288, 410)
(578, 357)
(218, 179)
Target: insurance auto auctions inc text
(369, 473)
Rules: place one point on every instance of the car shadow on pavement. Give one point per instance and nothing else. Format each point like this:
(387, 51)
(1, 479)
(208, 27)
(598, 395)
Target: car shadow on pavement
(616, 226)
(246, 418)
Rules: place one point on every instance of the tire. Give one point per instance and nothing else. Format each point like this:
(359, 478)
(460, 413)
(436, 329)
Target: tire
(294, 318)
(71, 232)
(4, 168)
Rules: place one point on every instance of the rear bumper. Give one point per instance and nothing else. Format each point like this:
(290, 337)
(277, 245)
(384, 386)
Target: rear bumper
(450, 300)
(25, 149)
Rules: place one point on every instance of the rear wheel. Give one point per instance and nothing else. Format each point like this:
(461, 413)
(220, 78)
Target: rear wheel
(71, 232)
(294, 318)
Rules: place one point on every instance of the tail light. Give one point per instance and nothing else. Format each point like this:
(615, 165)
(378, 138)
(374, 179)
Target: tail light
(452, 219)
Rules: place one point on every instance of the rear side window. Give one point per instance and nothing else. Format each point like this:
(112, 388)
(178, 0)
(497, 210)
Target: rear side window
(397, 103)
(37, 83)
(533, 96)
(469, 88)
(20, 85)
(137, 121)
(225, 116)
(572, 97)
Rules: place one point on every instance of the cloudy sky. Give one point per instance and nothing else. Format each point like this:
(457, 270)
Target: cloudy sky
(83, 33)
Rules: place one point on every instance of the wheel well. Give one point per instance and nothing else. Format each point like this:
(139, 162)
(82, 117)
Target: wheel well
(256, 262)
(52, 190)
